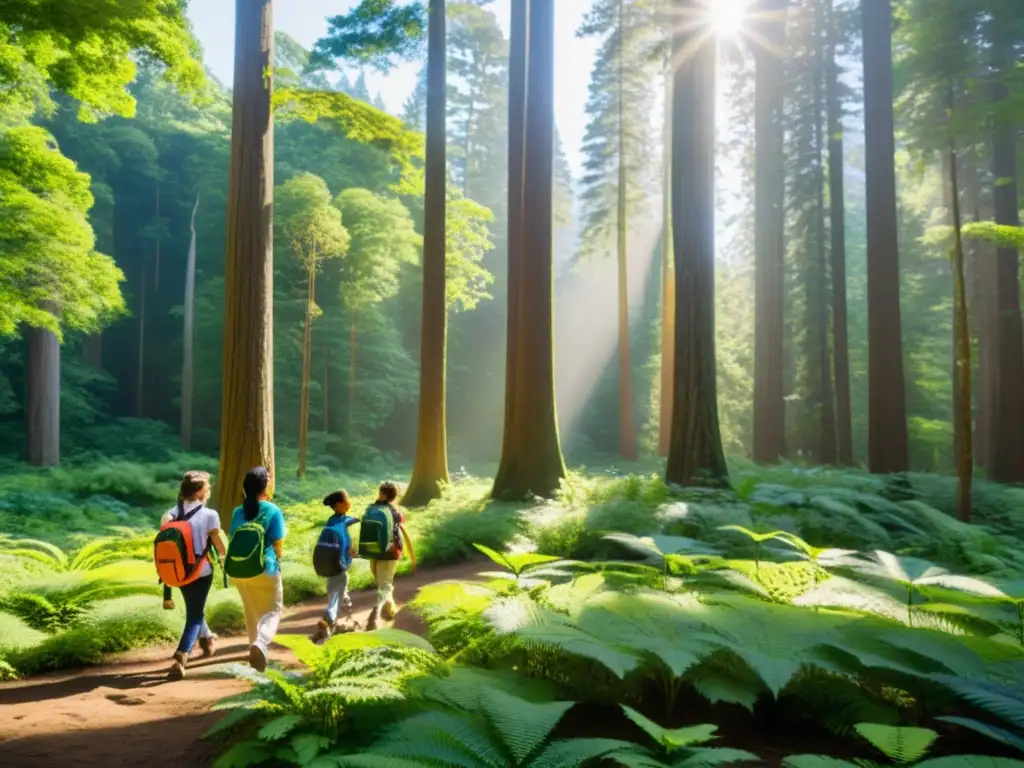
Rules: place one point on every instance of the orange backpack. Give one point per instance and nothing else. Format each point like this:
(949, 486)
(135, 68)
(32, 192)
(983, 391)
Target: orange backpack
(176, 561)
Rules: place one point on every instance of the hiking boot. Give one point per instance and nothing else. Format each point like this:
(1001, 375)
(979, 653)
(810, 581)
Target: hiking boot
(388, 611)
(257, 658)
(177, 670)
(208, 645)
(168, 605)
(322, 633)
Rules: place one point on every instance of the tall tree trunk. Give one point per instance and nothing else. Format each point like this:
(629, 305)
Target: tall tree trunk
(668, 279)
(518, 60)
(353, 340)
(695, 452)
(188, 357)
(430, 469)
(156, 271)
(769, 442)
(1006, 455)
(327, 419)
(827, 445)
(837, 222)
(307, 362)
(982, 267)
(140, 370)
(627, 417)
(962, 342)
(888, 449)
(534, 463)
(247, 403)
(43, 399)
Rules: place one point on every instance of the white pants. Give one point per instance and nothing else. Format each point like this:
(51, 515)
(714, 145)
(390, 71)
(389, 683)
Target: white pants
(263, 600)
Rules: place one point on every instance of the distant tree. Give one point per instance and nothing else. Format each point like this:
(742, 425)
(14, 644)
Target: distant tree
(311, 227)
(188, 338)
(383, 241)
(247, 416)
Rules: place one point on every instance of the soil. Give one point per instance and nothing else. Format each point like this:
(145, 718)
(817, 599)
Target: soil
(126, 712)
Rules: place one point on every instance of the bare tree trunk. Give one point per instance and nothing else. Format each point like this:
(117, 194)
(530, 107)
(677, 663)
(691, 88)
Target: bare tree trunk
(43, 400)
(837, 220)
(962, 344)
(307, 360)
(668, 278)
(888, 449)
(430, 469)
(695, 453)
(156, 271)
(769, 443)
(247, 417)
(188, 355)
(1006, 455)
(140, 371)
(627, 417)
(982, 312)
(518, 55)
(534, 462)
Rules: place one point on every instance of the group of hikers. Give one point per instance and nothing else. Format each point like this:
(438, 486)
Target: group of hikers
(190, 538)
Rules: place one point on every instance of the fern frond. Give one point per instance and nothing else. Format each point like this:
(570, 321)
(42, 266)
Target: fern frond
(573, 753)
(671, 739)
(523, 726)
(971, 761)
(899, 744)
(993, 732)
(1004, 701)
(816, 761)
(711, 757)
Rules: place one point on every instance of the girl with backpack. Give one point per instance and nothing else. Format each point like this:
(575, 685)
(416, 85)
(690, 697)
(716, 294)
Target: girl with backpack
(382, 534)
(332, 557)
(182, 552)
(254, 563)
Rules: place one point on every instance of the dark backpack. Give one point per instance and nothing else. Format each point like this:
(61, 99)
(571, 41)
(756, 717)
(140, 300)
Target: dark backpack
(377, 533)
(331, 553)
(247, 549)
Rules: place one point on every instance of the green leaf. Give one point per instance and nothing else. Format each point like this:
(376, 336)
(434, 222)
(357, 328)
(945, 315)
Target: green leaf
(244, 754)
(571, 753)
(308, 745)
(279, 727)
(715, 756)
(524, 726)
(993, 732)
(899, 744)
(671, 738)
(971, 761)
(816, 761)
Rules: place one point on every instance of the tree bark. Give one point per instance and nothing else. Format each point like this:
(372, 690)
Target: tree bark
(307, 361)
(769, 443)
(627, 417)
(668, 277)
(837, 222)
(888, 449)
(430, 470)
(982, 267)
(247, 415)
(518, 60)
(1006, 455)
(43, 400)
(962, 344)
(140, 369)
(695, 451)
(534, 462)
(827, 444)
(353, 356)
(188, 357)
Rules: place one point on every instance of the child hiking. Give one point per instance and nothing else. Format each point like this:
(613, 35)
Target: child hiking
(253, 563)
(182, 554)
(381, 536)
(332, 557)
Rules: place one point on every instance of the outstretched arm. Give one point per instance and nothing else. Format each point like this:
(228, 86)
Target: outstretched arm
(408, 545)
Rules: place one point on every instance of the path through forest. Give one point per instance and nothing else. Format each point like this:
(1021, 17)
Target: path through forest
(126, 713)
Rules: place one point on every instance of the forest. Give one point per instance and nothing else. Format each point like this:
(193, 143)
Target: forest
(709, 430)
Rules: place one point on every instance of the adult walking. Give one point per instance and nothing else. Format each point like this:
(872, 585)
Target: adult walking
(254, 563)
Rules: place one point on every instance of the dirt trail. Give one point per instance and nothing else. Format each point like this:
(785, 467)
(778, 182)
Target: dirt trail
(126, 713)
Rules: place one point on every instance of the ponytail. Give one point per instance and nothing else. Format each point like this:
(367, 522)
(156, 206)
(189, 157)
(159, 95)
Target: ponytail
(254, 485)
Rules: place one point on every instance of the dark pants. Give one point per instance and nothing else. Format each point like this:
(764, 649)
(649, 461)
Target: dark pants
(167, 593)
(195, 595)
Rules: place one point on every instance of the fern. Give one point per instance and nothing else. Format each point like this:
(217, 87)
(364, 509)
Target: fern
(900, 744)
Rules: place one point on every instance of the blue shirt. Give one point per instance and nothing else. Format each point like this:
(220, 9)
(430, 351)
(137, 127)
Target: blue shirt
(275, 532)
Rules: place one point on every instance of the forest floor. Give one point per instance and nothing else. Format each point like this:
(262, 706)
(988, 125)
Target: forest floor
(126, 712)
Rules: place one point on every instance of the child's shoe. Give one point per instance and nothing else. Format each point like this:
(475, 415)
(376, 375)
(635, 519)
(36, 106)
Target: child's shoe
(177, 670)
(371, 623)
(388, 611)
(208, 645)
(322, 633)
(168, 605)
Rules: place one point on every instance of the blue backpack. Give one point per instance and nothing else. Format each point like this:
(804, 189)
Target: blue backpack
(331, 555)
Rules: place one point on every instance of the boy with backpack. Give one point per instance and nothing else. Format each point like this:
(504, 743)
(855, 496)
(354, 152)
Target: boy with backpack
(382, 534)
(332, 557)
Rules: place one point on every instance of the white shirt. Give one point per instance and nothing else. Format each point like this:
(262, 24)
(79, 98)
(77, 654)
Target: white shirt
(202, 522)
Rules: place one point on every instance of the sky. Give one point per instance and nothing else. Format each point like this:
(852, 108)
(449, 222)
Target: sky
(306, 21)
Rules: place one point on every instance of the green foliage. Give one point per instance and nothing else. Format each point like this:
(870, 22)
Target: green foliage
(373, 33)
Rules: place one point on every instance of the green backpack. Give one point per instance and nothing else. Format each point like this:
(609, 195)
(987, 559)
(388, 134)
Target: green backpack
(246, 557)
(377, 533)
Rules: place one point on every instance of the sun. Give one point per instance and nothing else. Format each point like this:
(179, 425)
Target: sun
(727, 16)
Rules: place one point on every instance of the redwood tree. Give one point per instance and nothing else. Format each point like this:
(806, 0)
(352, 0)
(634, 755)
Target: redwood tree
(532, 455)
(247, 408)
(430, 469)
(769, 220)
(668, 281)
(888, 450)
(187, 358)
(695, 450)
